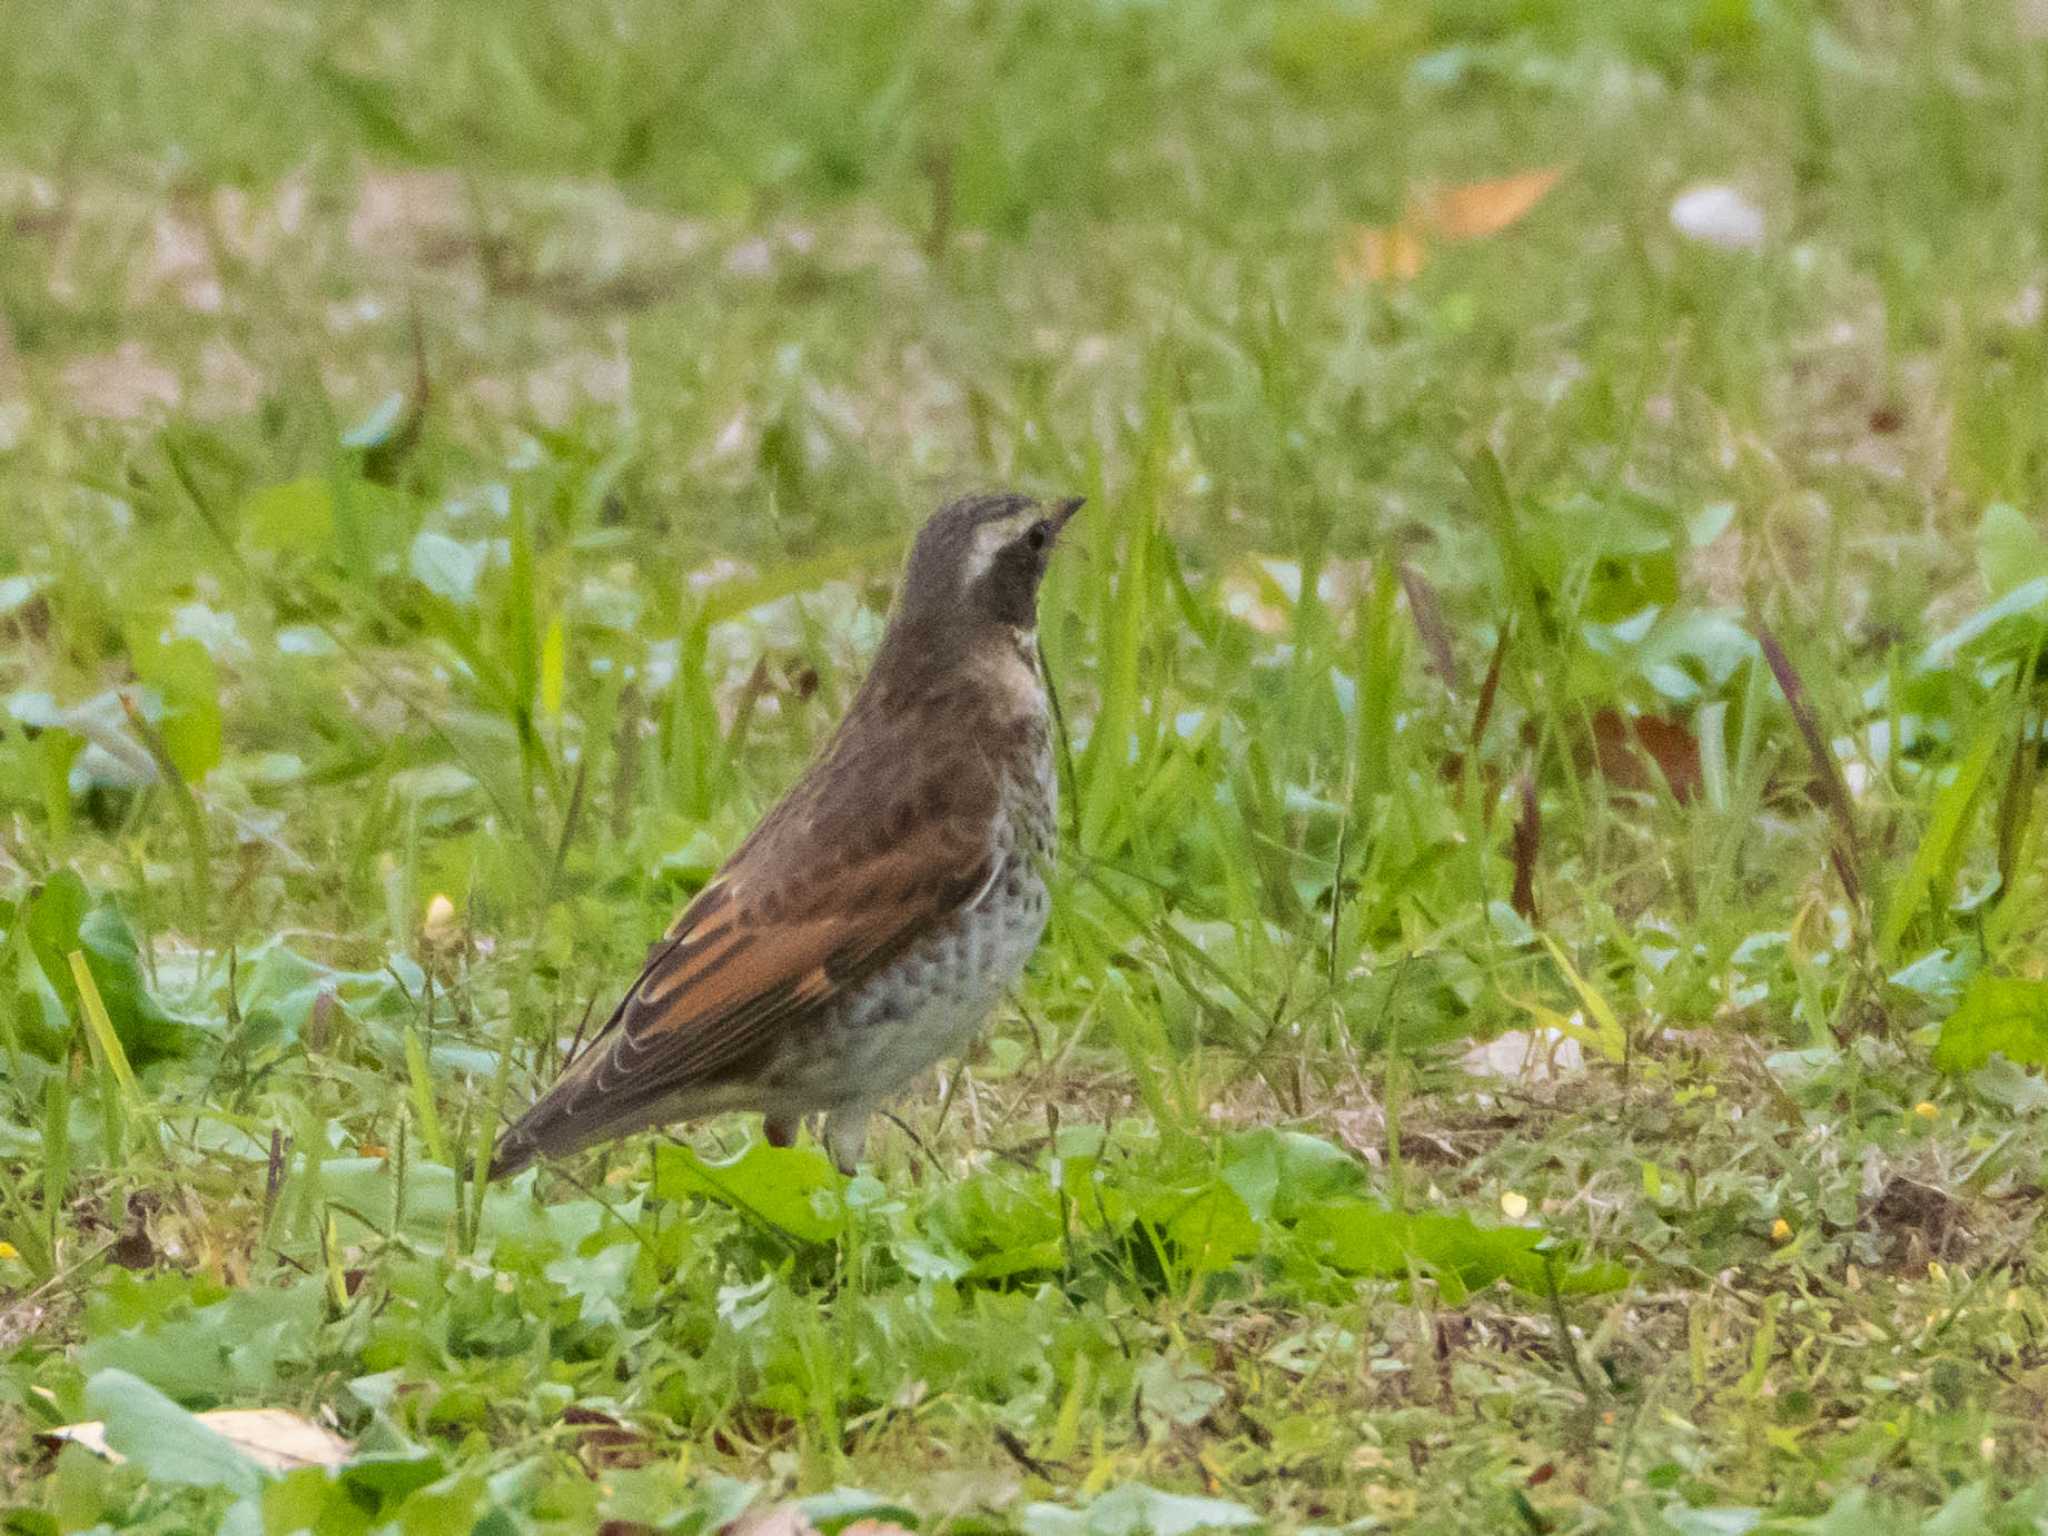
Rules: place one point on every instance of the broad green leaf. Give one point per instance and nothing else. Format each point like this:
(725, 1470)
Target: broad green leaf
(183, 675)
(1177, 1391)
(296, 517)
(838, 1508)
(598, 1281)
(2007, 1014)
(668, 1497)
(795, 1189)
(1137, 1510)
(1278, 1173)
(1370, 1239)
(363, 1194)
(163, 1439)
(198, 1344)
(994, 1226)
(2025, 602)
(56, 922)
(1209, 1228)
(2010, 549)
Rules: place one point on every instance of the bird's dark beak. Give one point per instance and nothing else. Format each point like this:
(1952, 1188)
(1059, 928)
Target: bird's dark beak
(1064, 512)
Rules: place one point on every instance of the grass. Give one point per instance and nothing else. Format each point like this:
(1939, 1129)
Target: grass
(452, 466)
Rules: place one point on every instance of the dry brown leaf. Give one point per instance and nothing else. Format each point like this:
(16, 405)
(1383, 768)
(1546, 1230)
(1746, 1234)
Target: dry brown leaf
(273, 1438)
(1467, 211)
(1479, 208)
(1620, 742)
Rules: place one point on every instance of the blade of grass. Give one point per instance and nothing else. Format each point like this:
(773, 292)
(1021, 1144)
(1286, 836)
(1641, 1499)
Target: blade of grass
(100, 1035)
(1928, 880)
(189, 813)
(421, 1086)
(1846, 848)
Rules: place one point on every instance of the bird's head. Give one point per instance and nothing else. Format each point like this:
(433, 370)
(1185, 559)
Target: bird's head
(977, 564)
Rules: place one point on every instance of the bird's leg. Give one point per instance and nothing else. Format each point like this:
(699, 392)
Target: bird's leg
(846, 1133)
(780, 1129)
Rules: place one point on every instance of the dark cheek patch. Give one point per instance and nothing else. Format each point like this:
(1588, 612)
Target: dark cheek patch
(1008, 592)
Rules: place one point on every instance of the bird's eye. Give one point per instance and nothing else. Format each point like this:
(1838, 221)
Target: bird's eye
(1039, 536)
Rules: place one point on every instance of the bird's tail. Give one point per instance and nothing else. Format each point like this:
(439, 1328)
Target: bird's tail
(555, 1125)
(514, 1152)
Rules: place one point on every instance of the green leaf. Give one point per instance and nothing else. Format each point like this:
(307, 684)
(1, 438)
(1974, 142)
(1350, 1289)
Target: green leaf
(1209, 1228)
(183, 675)
(296, 517)
(1176, 1391)
(1136, 1510)
(54, 751)
(598, 1281)
(838, 1508)
(2010, 549)
(1365, 1238)
(1607, 1034)
(1929, 881)
(106, 1044)
(2001, 618)
(553, 667)
(1278, 1174)
(2007, 1014)
(58, 921)
(168, 1443)
(794, 1189)
(423, 1109)
(188, 1340)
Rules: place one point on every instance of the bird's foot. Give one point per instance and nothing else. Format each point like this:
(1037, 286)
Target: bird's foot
(846, 1133)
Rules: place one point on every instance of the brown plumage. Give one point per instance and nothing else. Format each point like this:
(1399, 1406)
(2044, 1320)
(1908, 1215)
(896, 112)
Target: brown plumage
(870, 921)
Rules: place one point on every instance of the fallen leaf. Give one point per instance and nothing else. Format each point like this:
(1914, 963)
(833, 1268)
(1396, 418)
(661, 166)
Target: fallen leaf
(1466, 211)
(273, 1438)
(1621, 742)
(1478, 208)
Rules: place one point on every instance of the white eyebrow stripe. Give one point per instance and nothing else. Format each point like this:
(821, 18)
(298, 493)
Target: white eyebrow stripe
(989, 540)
